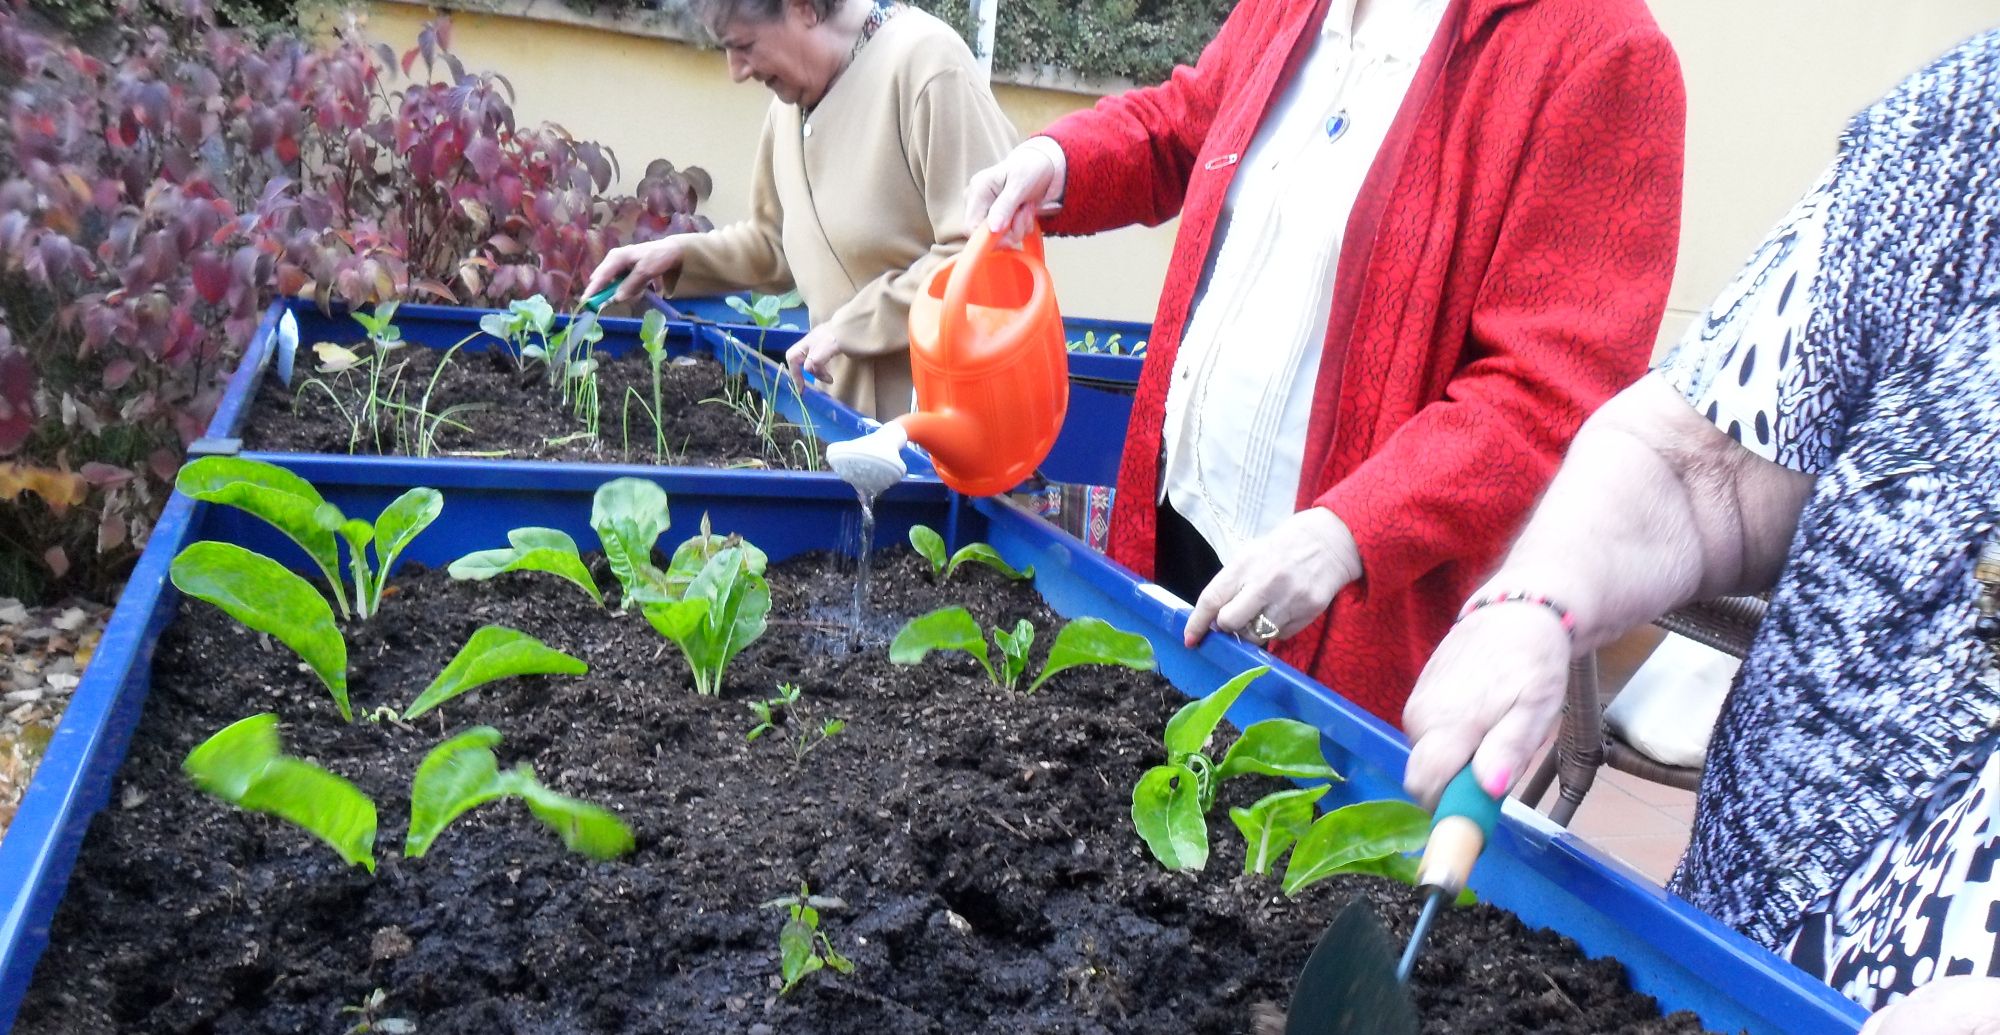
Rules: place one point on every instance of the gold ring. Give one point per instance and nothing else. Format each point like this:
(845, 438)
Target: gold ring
(1262, 629)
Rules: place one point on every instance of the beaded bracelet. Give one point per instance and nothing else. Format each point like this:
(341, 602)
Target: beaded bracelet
(1484, 600)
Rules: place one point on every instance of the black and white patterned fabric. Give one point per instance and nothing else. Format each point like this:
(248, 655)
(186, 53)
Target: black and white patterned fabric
(1864, 690)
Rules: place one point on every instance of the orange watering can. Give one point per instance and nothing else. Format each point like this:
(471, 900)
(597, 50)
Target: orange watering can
(991, 372)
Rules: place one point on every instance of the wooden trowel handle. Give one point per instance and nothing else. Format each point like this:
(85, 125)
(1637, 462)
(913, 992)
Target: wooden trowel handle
(1460, 830)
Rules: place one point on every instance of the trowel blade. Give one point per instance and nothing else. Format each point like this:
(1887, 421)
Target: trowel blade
(1349, 984)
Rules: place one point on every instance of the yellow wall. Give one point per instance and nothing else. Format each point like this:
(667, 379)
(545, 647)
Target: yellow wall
(1770, 84)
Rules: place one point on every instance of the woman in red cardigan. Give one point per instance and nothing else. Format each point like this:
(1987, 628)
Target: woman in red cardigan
(1420, 241)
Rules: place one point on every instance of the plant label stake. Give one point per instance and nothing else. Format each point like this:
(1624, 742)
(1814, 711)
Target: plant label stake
(1353, 984)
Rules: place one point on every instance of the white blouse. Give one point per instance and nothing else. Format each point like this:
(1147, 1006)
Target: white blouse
(1242, 389)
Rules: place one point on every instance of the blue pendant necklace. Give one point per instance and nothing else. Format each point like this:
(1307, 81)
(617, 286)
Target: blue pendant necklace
(1336, 125)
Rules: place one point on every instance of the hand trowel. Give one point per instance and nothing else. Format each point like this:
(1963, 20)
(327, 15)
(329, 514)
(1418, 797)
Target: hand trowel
(1354, 982)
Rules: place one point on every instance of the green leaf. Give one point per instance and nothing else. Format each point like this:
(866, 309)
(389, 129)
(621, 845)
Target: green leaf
(723, 611)
(584, 828)
(268, 491)
(948, 628)
(1093, 641)
(1272, 825)
(630, 515)
(535, 312)
(980, 553)
(260, 593)
(1277, 747)
(245, 764)
(1188, 731)
(653, 332)
(358, 534)
(1348, 837)
(693, 555)
(930, 546)
(796, 958)
(398, 525)
(499, 325)
(1166, 810)
(1014, 651)
(463, 773)
(493, 652)
(534, 549)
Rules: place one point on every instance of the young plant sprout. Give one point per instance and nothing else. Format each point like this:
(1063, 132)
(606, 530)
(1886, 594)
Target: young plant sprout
(494, 652)
(630, 515)
(767, 711)
(803, 949)
(1085, 641)
(383, 338)
(930, 546)
(245, 765)
(1170, 801)
(463, 773)
(810, 738)
(524, 328)
(653, 339)
(292, 506)
(369, 1019)
(722, 611)
(531, 549)
(262, 594)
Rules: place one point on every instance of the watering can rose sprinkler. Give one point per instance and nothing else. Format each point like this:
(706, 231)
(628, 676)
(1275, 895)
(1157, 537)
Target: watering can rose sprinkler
(991, 373)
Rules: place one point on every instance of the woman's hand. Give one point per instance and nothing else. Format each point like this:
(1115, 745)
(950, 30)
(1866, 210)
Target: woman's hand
(1966, 1005)
(1009, 195)
(1286, 577)
(639, 264)
(1490, 695)
(813, 355)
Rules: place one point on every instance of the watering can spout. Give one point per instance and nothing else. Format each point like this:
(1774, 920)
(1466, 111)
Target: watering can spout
(872, 462)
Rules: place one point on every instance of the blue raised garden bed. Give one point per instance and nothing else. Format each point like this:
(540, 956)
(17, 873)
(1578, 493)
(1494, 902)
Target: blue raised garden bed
(1673, 952)
(290, 328)
(1100, 389)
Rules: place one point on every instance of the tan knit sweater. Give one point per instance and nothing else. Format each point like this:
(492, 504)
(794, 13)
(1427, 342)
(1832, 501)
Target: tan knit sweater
(856, 205)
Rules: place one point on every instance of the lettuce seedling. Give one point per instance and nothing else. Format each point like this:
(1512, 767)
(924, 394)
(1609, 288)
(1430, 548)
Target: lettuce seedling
(462, 773)
(1272, 825)
(1367, 837)
(803, 949)
(524, 317)
(693, 555)
(1085, 641)
(930, 546)
(262, 594)
(292, 506)
(531, 549)
(493, 652)
(1170, 802)
(721, 613)
(630, 515)
(245, 764)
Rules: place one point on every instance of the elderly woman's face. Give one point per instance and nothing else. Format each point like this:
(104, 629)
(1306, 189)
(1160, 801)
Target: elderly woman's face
(782, 53)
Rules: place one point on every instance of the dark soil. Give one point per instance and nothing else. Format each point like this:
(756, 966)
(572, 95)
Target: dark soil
(980, 841)
(517, 414)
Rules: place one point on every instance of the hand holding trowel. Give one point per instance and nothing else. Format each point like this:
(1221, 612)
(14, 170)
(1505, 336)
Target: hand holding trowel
(1354, 983)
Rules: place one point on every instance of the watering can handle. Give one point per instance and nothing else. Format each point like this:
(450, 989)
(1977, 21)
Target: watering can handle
(951, 320)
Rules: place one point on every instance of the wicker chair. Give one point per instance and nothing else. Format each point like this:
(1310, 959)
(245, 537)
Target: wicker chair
(1585, 743)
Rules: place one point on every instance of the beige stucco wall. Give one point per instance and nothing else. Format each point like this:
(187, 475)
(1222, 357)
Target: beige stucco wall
(1770, 83)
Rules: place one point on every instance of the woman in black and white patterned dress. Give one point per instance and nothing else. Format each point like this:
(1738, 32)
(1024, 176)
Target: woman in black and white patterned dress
(1830, 432)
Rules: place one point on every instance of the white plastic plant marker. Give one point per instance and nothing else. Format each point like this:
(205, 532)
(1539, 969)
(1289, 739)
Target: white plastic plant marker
(872, 462)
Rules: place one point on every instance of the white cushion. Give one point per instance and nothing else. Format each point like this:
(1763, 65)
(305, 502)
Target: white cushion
(1668, 709)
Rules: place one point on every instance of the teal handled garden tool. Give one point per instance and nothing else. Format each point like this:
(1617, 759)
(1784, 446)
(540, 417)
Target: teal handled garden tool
(602, 298)
(1353, 983)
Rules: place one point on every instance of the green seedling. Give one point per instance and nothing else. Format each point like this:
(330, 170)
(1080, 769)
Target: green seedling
(531, 549)
(930, 546)
(653, 339)
(810, 739)
(1110, 346)
(1275, 823)
(493, 653)
(463, 773)
(1170, 802)
(245, 764)
(693, 555)
(722, 612)
(369, 397)
(524, 328)
(1085, 641)
(260, 593)
(1374, 837)
(292, 506)
(768, 710)
(803, 949)
(369, 1019)
(764, 310)
(630, 515)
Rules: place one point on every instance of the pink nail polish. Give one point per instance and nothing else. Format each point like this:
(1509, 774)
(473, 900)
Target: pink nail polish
(1498, 784)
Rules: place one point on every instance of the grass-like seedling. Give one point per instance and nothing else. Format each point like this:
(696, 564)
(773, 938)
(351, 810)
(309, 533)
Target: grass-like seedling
(1085, 641)
(930, 546)
(803, 949)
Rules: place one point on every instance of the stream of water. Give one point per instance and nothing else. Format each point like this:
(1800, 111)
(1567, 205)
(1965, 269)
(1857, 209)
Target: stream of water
(862, 561)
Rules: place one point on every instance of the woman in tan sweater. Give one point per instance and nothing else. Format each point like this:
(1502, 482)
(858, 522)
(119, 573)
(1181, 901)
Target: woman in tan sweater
(881, 118)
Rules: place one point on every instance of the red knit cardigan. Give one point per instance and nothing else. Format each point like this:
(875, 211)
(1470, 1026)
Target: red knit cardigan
(1504, 272)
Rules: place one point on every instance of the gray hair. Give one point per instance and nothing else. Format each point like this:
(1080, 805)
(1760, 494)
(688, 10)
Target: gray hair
(714, 14)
